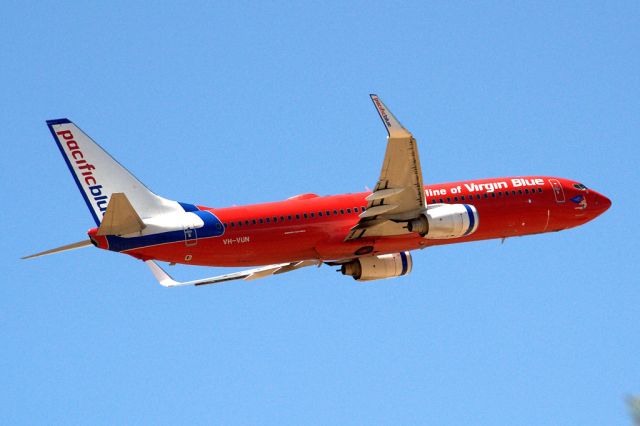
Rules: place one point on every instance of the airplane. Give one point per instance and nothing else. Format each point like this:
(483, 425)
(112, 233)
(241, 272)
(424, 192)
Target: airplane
(368, 235)
(634, 408)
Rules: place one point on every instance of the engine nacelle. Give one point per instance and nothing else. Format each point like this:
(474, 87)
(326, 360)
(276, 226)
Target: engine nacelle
(444, 221)
(378, 267)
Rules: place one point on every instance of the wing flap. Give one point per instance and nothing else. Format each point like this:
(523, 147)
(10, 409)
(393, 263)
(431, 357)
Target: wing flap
(377, 210)
(377, 228)
(384, 193)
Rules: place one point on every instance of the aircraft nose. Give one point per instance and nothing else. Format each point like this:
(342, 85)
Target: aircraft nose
(600, 203)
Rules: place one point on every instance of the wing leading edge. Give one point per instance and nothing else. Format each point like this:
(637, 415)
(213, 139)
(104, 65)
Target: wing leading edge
(399, 192)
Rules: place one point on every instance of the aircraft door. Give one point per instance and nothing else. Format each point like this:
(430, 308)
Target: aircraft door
(558, 192)
(190, 236)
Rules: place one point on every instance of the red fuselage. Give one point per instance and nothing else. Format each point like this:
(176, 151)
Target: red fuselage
(314, 227)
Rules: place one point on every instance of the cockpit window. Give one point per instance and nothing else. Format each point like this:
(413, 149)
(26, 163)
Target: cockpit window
(579, 186)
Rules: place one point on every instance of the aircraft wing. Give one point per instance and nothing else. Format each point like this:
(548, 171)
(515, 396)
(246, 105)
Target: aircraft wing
(399, 193)
(250, 274)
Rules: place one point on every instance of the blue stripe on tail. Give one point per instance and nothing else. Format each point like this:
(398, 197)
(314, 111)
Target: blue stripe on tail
(50, 124)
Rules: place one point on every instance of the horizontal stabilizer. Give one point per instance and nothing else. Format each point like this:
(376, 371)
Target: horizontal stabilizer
(120, 217)
(68, 247)
(165, 279)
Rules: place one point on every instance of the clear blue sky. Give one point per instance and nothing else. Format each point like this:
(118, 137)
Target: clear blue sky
(236, 103)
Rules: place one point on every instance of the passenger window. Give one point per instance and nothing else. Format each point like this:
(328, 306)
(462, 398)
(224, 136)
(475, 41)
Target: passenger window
(520, 191)
(362, 208)
(539, 189)
(355, 209)
(335, 212)
(493, 194)
(289, 217)
(298, 216)
(341, 211)
(506, 193)
(281, 218)
(448, 199)
(441, 200)
(246, 222)
(253, 221)
(226, 225)
(268, 220)
(313, 214)
(500, 194)
(305, 216)
(433, 201)
(328, 212)
(239, 223)
(526, 191)
(462, 198)
(478, 196)
(349, 211)
(486, 195)
(261, 220)
(319, 214)
(455, 198)
(513, 192)
(233, 225)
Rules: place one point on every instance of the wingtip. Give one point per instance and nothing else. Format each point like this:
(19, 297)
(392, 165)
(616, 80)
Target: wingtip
(163, 278)
(58, 121)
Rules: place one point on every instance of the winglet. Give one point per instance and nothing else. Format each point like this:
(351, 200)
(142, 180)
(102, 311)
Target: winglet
(394, 128)
(163, 278)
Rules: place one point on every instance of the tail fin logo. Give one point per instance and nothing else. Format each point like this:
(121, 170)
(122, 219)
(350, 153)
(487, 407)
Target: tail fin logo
(98, 175)
(85, 169)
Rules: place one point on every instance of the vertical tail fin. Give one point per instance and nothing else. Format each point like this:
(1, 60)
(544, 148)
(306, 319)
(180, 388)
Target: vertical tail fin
(98, 175)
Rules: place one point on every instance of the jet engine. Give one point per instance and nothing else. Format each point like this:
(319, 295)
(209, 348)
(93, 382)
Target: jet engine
(444, 221)
(377, 267)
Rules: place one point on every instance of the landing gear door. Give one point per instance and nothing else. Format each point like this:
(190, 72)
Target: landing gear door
(558, 192)
(190, 236)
